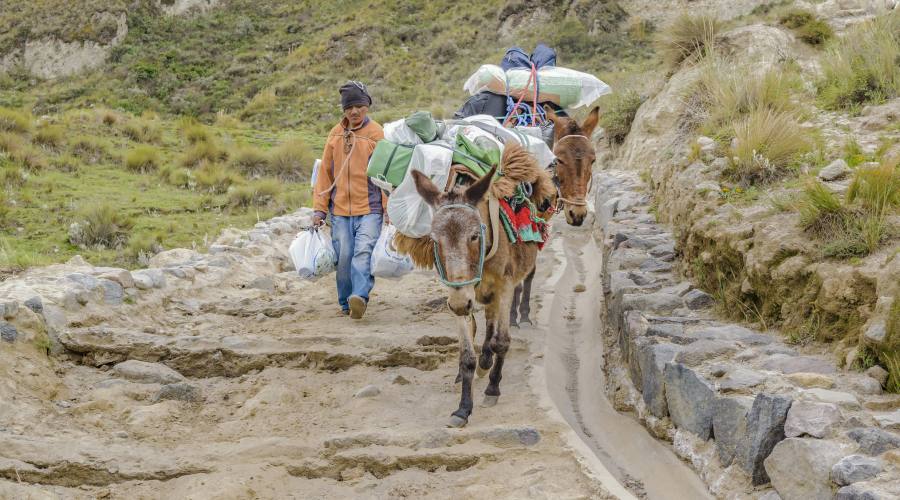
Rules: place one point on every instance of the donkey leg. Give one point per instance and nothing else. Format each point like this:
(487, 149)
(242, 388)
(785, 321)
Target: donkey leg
(487, 355)
(514, 310)
(499, 345)
(460, 417)
(525, 307)
(472, 330)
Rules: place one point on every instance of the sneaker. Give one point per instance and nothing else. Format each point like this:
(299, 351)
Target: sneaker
(357, 306)
(345, 312)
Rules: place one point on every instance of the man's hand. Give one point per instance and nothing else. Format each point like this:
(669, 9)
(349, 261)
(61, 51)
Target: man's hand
(387, 220)
(318, 220)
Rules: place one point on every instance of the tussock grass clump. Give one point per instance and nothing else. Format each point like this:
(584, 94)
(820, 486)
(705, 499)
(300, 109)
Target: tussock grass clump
(292, 160)
(863, 66)
(202, 151)
(768, 144)
(807, 26)
(859, 225)
(215, 178)
(175, 176)
(619, 114)
(109, 118)
(90, 149)
(226, 120)
(50, 136)
(262, 103)
(727, 93)
(15, 121)
(11, 143)
(688, 37)
(20, 153)
(100, 226)
(12, 176)
(65, 163)
(141, 130)
(260, 193)
(196, 133)
(143, 159)
(249, 161)
(142, 246)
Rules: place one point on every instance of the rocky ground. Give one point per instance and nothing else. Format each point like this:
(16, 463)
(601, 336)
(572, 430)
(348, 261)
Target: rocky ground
(223, 375)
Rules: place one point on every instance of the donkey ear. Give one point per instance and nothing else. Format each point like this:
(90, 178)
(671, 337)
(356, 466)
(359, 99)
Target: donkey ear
(427, 190)
(476, 191)
(551, 115)
(590, 123)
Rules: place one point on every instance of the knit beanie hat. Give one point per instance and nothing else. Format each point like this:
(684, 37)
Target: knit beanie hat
(354, 93)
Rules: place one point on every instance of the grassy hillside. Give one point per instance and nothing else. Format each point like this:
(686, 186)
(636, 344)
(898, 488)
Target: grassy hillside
(119, 148)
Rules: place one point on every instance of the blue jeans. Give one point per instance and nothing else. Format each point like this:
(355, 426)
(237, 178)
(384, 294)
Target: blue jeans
(354, 238)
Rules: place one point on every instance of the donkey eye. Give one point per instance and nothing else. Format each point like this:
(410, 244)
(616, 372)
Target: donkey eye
(474, 237)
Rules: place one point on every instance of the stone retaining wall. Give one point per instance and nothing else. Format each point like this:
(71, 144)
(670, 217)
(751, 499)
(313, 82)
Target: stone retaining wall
(755, 417)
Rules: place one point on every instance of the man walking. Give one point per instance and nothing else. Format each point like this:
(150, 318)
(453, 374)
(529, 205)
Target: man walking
(356, 205)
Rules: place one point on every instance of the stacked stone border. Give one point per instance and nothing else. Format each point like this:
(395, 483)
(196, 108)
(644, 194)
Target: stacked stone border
(753, 416)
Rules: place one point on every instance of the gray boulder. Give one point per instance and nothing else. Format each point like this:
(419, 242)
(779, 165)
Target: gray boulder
(740, 379)
(690, 399)
(733, 333)
(813, 419)
(8, 309)
(800, 469)
(149, 373)
(870, 490)
(8, 332)
(835, 170)
(765, 429)
(698, 352)
(113, 293)
(874, 441)
(652, 360)
(855, 468)
(730, 425)
(798, 364)
(657, 302)
(876, 372)
(368, 391)
(698, 299)
(35, 304)
(889, 421)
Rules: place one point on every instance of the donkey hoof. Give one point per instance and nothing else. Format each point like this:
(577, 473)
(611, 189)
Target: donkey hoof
(489, 401)
(481, 372)
(525, 323)
(457, 422)
(458, 378)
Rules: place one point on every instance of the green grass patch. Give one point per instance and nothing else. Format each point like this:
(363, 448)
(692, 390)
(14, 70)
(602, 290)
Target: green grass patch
(807, 26)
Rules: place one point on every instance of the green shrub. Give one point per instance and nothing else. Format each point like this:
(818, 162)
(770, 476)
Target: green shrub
(619, 114)
(100, 226)
(109, 118)
(215, 178)
(143, 159)
(689, 36)
(808, 27)
(863, 66)
(292, 160)
(14, 121)
(768, 143)
(50, 136)
(876, 188)
(202, 151)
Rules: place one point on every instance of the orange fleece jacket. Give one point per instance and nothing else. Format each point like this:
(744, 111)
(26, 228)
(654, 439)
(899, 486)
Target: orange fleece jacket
(352, 192)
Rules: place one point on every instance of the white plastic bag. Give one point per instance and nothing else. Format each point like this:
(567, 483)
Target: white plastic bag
(399, 133)
(407, 210)
(312, 254)
(386, 262)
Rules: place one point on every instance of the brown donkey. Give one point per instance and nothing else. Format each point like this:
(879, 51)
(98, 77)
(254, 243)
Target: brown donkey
(460, 239)
(572, 175)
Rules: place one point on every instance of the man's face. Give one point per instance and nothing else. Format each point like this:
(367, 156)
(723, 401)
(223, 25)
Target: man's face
(356, 114)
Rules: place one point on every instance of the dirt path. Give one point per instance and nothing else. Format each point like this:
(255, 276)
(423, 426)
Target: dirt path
(574, 349)
(269, 406)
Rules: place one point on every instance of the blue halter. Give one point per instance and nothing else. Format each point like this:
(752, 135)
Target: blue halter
(442, 275)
